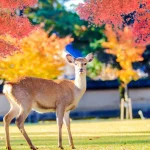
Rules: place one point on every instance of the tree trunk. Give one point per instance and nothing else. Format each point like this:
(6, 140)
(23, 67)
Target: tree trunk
(123, 91)
(124, 103)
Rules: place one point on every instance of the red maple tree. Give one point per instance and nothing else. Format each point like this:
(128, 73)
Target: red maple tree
(10, 23)
(119, 13)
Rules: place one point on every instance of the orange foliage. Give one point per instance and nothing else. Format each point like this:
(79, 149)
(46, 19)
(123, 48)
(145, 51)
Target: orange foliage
(122, 45)
(41, 56)
(12, 24)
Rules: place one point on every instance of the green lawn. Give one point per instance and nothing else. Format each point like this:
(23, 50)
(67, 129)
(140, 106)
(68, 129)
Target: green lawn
(88, 135)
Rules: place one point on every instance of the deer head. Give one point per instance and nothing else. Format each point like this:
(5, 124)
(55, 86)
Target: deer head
(80, 62)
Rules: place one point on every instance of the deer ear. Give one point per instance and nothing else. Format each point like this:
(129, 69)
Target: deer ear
(89, 57)
(70, 58)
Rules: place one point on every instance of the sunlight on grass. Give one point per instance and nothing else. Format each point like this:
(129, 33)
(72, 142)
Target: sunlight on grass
(88, 135)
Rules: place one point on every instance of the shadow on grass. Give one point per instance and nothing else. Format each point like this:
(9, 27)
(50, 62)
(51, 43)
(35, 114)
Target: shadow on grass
(49, 143)
(102, 140)
(111, 140)
(139, 132)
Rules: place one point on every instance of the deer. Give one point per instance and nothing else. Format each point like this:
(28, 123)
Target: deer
(43, 95)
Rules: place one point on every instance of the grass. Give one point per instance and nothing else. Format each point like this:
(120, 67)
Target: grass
(88, 135)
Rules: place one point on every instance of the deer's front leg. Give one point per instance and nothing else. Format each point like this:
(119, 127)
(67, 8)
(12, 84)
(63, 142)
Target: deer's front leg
(60, 114)
(67, 123)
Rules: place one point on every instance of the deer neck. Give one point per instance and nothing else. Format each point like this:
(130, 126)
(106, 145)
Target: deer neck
(80, 81)
(80, 86)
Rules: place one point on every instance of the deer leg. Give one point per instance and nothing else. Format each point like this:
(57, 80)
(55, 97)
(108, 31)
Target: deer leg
(60, 114)
(7, 119)
(66, 120)
(20, 124)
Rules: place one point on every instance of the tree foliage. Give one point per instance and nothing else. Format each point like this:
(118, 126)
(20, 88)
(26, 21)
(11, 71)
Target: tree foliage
(119, 13)
(94, 68)
(101, 71)
(58, 20)
(108, 72)
(17, 4)
(41, 56)
(121, 44)
(10, 23)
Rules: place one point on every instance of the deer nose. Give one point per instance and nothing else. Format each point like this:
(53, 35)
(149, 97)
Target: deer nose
(81, 70)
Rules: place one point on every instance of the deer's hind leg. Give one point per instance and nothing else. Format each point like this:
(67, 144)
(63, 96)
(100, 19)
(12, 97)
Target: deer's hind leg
(23, 114)
(13, 112)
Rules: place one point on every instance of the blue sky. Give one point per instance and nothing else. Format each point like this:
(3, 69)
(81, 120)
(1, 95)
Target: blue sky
(70, 3)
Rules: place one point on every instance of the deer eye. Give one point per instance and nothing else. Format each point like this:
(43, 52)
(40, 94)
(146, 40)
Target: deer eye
(85, 63)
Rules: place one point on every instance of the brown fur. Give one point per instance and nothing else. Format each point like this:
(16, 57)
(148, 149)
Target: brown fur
(41, 91)
(45, 96)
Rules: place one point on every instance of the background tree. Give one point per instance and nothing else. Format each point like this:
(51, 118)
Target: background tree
(94, 68)
(119, 13)
(121, 44)
(62, 22)
(10, 23)
(145, 64)
(41, 56)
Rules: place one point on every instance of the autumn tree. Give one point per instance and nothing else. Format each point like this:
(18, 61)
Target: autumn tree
(57, 19)
(121, 44)
(119, 13)
(41, 56)
(10, 23)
